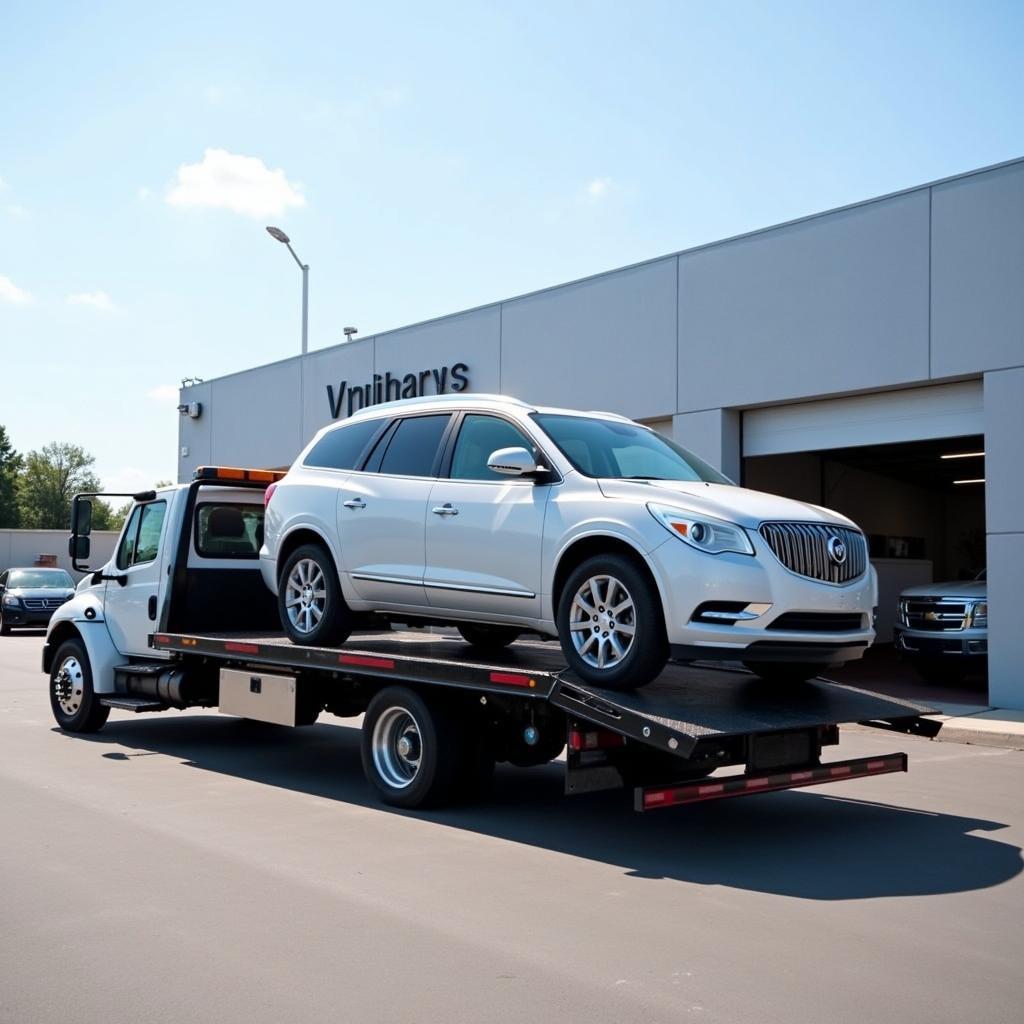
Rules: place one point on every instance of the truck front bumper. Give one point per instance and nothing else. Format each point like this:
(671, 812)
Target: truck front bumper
(967, 643)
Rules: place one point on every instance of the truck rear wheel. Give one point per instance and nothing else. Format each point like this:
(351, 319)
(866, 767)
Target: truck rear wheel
(411, 750)
(309, 599)
(73, 701)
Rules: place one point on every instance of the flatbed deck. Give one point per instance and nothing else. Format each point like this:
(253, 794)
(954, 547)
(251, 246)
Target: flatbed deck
(686, 705)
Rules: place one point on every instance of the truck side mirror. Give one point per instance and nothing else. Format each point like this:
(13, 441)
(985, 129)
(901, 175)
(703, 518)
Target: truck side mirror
(81, 517)
(78, 547)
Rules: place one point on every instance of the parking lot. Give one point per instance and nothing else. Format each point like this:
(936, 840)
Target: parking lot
(192, 866)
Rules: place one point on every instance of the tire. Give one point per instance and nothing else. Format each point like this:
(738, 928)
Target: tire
(300, 581)
(73, 701)
(488, 639)
(645, 653)
(425, 773)
(5, 630)
(784, 673)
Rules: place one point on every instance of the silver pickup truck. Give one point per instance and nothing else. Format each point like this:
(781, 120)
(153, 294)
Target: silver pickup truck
(943, 628)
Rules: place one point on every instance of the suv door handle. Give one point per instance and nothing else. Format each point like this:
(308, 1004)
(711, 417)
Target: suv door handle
(445, 510)
(355, 503)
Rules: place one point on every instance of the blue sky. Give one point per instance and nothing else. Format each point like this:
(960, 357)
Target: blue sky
(424, 158)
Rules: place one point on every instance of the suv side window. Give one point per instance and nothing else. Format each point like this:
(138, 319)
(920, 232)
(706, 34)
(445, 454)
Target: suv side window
(141, 540)
(412, 450)
(479, 437)
(342, 447)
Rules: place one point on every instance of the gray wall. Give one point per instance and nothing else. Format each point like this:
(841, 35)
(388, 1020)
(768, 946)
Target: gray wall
(22, 547)
(909, 289)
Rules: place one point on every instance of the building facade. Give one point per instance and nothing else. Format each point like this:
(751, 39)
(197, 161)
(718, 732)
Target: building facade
(869, 358)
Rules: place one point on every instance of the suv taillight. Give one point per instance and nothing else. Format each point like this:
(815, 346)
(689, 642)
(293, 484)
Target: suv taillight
(268, 494)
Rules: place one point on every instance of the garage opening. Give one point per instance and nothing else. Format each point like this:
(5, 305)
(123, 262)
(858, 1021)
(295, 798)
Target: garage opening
(922, 506)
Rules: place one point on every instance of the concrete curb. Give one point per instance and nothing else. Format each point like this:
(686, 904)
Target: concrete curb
(997, 727)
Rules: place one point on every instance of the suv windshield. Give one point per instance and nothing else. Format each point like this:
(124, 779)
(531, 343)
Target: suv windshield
(47, 579)
(624, 451)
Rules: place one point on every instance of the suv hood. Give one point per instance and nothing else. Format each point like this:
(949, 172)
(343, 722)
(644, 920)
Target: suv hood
(723, 501)
(974, 589)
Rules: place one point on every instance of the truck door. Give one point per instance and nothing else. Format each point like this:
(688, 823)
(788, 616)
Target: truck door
(131, 609)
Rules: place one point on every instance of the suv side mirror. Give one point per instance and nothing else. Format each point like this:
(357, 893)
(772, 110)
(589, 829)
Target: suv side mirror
(514, 462)
(81, 517)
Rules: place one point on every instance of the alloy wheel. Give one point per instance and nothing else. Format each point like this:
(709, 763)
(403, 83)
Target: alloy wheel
(602, 622)
(305, 595)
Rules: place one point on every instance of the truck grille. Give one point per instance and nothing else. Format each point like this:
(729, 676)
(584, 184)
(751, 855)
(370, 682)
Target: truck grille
(803, 548)
(933, 613)
(43, 604)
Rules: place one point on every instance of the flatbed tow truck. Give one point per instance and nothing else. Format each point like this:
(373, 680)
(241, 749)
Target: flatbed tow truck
(436, 717)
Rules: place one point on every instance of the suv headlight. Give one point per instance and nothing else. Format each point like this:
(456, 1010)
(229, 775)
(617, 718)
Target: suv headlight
(979, 614)
(10, 601)
(702, 532)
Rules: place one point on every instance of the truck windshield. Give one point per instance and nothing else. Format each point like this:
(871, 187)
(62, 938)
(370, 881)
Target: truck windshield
(623, 450)
(43, 579)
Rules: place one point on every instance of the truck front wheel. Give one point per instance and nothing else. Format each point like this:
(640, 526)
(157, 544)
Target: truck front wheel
(73, 701)
(410, 749)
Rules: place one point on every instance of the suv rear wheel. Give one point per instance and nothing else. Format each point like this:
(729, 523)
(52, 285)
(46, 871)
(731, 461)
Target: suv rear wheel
(611, 625)
(309, 600)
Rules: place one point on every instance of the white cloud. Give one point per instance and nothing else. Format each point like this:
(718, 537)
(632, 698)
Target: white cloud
(598, 188)
(242, 184)
(10, 292)
(15, 210)
(164, 393)
(144, 192)
(98, 300)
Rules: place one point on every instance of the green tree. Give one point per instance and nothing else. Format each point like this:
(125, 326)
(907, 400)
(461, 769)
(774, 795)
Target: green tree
(48, 480)
(10, 464)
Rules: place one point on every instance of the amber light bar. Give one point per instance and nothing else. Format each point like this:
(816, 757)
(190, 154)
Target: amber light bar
(228, 473)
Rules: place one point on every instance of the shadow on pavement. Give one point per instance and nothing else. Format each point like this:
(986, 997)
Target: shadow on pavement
(802, 844)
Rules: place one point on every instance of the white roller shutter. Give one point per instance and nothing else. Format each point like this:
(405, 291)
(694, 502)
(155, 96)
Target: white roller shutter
(885, 417)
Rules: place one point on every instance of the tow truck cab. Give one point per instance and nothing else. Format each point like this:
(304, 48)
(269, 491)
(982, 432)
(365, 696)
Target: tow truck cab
(187, 559)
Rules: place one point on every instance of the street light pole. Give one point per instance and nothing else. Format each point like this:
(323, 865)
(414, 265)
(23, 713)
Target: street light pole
(304, 267)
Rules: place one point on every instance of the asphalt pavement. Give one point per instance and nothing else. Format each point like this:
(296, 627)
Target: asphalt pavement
(193, 867)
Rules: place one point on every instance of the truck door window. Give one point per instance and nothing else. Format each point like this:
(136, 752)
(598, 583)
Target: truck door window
(226, 530)
(141, 540)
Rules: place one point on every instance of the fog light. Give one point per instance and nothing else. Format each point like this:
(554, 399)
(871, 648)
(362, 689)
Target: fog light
(977, 646)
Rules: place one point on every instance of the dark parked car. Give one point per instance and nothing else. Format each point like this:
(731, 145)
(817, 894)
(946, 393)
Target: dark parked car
(28, 597)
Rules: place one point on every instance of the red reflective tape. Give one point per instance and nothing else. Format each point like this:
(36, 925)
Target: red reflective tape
(843, 769)
(366, 660)
(707, 790)
(512, 679)
(657, 796)
(756, 783)
(233, 645)
(875, 765)
(801, 776)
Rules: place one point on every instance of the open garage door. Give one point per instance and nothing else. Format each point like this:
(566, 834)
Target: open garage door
(887, 417)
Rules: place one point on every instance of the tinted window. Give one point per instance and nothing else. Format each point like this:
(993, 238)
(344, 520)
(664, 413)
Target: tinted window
(141, 539)
(126, 549)
(616, 448)
(413, 446)
(341, 448)
(229, 530)
(150, 525)
(57, 579)
(479, 438)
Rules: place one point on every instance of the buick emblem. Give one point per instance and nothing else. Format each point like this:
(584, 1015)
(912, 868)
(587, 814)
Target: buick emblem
(836, 550)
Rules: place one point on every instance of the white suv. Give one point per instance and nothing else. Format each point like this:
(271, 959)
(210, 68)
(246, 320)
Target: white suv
(502, 518)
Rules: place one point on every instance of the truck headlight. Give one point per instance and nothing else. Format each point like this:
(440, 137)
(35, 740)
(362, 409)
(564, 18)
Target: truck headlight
(10, 601)
(714, 536)
(979, 614)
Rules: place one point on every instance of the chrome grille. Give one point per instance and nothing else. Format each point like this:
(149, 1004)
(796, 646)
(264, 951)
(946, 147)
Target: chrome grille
(43, 604)
(803, 548)
(933, 613)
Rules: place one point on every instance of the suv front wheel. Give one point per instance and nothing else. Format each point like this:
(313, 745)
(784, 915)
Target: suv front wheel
(611, 625)
(309, 600)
